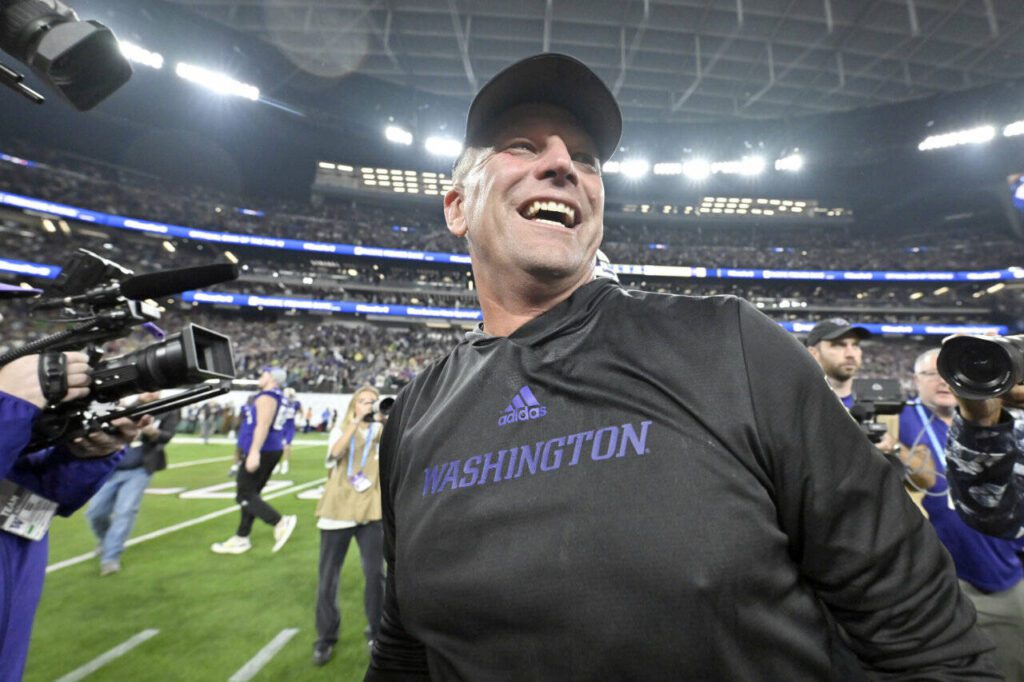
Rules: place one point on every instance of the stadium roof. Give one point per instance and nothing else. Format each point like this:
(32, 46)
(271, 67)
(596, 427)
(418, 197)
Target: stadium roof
(667, 60)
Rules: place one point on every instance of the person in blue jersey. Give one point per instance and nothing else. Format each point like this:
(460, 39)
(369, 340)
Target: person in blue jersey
(605, 484)
(835, 345)
(990, 570)
(292, 407)
(59, 479)
(350, 508)
(244, 431)
(263, 454)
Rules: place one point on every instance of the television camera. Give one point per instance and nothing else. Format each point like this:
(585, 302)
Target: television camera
(102, 301)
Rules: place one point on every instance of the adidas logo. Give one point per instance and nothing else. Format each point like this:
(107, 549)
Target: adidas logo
(524, 407)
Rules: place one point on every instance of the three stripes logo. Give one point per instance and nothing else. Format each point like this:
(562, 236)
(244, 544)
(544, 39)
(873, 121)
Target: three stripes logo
(524, 406)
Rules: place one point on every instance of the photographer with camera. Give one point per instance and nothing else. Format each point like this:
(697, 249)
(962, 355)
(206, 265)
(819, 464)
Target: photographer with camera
(351, 508)
(989, 568)
(36, 485)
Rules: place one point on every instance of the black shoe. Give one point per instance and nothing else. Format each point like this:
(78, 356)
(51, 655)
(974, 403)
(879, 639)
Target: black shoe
(322, 654)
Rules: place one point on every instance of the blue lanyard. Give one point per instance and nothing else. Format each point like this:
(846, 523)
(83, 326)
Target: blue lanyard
(366, 449)
(937, 448)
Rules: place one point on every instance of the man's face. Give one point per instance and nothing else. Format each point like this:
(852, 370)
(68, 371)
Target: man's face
(533, 202)
(264, 381)
(840, 358)
(932, 388)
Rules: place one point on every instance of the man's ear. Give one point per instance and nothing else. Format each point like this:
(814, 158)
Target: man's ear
(454, 214)
(815, 353)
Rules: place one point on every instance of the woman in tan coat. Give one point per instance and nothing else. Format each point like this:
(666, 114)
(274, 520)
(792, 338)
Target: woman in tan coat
(350, 508)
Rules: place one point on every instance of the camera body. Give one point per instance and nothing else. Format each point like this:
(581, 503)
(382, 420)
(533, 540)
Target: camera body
(872, 398)
(89, 289)
(381, 409)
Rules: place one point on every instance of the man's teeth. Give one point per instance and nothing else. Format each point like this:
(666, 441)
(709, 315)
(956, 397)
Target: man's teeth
(557, 207)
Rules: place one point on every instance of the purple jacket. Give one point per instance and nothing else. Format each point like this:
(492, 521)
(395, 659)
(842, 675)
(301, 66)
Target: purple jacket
(57, 475)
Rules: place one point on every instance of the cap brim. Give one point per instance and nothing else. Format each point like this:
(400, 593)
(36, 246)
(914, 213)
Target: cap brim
(14, 291)
(555, 79)
(859, 332)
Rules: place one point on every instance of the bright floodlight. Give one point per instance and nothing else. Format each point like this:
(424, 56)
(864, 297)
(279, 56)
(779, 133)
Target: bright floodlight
(793, 162)
(635, 168)
(668, 168)
(443, 146)
(398, 135)
(141, 55)
(1015, 128)
(611, 167)
(958, 137)
(752, 165)
(697, 169)
(220, 83)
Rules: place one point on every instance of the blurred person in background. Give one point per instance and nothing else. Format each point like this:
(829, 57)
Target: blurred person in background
(246, 426)
(835, 345)
(989, 568)
(263, 455)
(292, 407)
(350, 508)
(113, 510)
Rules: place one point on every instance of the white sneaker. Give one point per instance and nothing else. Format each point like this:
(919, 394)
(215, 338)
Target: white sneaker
(284, 467)
(233, 545)
(283, 531)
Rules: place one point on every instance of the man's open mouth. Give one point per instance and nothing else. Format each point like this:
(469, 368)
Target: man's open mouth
(551, 212)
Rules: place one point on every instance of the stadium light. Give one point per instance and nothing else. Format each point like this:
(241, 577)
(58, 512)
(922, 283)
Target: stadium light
(398, 135)
(635, 168)
(1015, 128)
(697, 169)
(141, 55)
(793, 163)
(443, 146)
(958, 137)
(611, 167)
(668, 168)
(219, 83)
(231, 257)
(752, 165)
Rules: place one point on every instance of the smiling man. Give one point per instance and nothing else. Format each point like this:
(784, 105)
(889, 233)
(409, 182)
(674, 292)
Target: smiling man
(601, 484)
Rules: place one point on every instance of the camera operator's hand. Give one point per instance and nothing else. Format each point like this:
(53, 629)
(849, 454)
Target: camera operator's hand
(101, 443)
(986, 412)
(20, 378)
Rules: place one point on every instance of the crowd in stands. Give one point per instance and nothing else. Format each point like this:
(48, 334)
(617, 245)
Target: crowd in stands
(65, 179)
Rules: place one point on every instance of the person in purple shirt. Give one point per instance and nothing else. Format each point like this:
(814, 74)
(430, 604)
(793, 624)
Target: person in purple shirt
(246, 426)
(259, 462)
(66, 475)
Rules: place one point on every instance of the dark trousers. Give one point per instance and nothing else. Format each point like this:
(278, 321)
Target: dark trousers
(333, 547)
(249, 487)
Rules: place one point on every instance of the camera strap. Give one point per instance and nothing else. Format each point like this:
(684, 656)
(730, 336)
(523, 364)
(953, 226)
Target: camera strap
(926, 424)
(53, 376)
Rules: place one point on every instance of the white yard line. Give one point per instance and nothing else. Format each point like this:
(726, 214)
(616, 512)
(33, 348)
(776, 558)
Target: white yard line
(115, 653)
(256, 663)
(211, 460)
(195, 462)
(222, 440)
(179, 526)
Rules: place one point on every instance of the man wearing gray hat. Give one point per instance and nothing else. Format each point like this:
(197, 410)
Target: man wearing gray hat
(835, 345)
(264, 453)
(602, 484)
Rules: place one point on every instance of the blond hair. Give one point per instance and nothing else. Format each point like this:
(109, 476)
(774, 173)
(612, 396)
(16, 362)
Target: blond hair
(350, 411)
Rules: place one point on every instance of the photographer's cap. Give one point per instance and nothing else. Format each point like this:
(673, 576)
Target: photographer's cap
(277, 374)
(555, 79)
(830, 330)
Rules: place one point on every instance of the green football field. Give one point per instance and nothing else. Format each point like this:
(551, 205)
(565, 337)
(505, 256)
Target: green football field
(177, 611)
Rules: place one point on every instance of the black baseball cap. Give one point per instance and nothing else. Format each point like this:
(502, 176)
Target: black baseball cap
(830, 330)
(556, 79)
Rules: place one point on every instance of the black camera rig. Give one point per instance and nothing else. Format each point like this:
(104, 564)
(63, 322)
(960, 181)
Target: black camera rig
(100, 300)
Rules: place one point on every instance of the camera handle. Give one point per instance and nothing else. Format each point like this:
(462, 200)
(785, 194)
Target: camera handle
(14, 81)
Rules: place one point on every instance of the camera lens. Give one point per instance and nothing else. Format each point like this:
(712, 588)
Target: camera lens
(984, 364)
